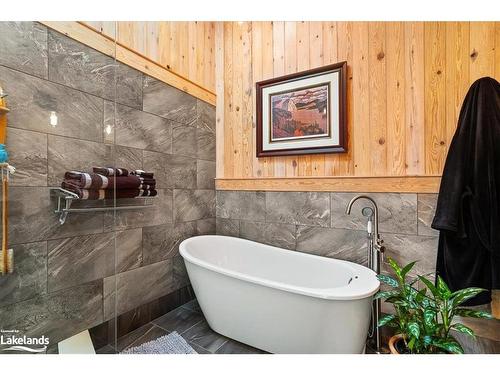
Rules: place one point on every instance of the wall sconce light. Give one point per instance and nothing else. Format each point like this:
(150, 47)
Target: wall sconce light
(108, 129)
(53, 119)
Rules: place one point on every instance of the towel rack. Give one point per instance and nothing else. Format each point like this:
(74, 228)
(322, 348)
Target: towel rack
(65, 198)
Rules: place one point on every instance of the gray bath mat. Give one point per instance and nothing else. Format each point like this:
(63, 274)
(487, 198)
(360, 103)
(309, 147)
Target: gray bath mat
(172, 343)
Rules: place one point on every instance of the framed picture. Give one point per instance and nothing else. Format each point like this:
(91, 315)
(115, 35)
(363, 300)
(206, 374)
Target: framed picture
(303, 113)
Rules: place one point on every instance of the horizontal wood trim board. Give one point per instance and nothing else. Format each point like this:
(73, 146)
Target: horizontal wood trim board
(413, 184)
(89, 36)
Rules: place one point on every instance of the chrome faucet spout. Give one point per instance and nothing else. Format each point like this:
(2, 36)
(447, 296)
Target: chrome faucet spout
(375, 211)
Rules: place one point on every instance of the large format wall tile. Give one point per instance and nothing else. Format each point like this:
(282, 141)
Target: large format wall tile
(280, 235)
(30, 276)
(126, 157)
(128, 249)
(32, 217)
(134, 128)
(205, 144)
(205, 174)
(162, 242)
(32, 99)
(159, 213)
(298, 208)
(244, 205)
(171, 171)
(192, 205)
(66, 154)
(77, 260)
(426, 209)
(227, 227)
(397, 212)
(57, 315)
(205, 226)
(138, 286)
(184, 140)
(342, 244)
(206, 116)
(79, 66)
(24, 47)
(169, 102)
(28, 152)
(405, 249)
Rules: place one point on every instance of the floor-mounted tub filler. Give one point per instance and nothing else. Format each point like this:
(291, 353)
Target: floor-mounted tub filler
(278, 300)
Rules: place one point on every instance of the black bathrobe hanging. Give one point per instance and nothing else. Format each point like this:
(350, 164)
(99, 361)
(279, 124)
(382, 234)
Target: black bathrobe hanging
(468, 206)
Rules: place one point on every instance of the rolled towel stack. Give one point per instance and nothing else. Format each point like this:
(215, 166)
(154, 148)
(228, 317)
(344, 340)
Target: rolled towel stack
(110, 183)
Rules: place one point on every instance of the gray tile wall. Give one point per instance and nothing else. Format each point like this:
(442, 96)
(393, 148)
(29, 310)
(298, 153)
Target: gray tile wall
(316, 223)
(65, 276)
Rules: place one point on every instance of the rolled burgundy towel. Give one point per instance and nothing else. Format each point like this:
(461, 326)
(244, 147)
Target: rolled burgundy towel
(141, 173)
(96, 181)
(105, 171)
(96, 194)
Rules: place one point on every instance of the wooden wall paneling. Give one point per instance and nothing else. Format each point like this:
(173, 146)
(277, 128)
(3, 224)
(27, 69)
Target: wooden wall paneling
(220, 105)
(279, 70)
(497, 50)
(164, 44)
(268, 72)
(378, 98)
(229, 100)
(104, 27)
(395, 67)
(414, 94)
(316, 60)
(207, 51)
(183, 48)
(259, 164)
(482, 50)
(457, 73)
(291, 162)
(248, 150)
(153, 40)
(435, 96)
(193, 68)
(330, 56)
(345, 53)
(360, 129)
(303, 56)
(386, 184)
(200, 55)
(237, 97)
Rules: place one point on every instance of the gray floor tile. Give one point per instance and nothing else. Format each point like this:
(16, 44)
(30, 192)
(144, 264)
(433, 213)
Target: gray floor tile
(179, 320)
(201, 334)
(192, 305)
(235, 347)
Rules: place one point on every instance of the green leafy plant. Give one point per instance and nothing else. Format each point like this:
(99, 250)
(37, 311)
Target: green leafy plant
(425, 317)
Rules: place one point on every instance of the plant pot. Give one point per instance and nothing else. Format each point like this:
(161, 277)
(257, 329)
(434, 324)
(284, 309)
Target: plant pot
(397, 345)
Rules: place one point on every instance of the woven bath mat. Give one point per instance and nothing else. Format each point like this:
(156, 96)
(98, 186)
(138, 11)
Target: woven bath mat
(172, 343)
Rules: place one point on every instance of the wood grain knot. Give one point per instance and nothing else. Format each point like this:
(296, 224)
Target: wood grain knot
(442, 143)
(380, 55)
(294, 163)
(473, 55)
(381, 141)
(168, 67)
(438, 72)
(237, 108)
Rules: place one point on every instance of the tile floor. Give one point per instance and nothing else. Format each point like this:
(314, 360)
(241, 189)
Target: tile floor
(189, 322)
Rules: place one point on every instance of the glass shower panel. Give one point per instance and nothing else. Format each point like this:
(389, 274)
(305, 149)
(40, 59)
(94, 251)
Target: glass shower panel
(61, 97)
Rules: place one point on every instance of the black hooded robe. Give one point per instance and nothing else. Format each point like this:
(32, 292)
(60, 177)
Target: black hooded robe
(468, 206)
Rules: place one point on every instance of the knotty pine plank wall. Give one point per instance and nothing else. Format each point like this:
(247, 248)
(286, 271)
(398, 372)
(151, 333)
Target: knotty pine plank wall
(406, 83)
(186, 48)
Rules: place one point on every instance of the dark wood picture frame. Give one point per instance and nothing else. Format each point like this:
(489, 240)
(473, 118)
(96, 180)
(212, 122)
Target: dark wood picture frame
(340, 67)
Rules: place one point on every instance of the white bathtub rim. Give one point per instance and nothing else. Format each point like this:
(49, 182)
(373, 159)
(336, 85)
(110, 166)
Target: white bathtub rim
(364, 286)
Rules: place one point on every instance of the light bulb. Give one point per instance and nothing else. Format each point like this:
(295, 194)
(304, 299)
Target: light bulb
(108, 129)
(53, 118)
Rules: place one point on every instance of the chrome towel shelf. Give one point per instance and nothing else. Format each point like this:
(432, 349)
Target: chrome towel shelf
(65, 198)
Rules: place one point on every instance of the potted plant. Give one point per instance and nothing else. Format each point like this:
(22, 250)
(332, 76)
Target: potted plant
(423, 318)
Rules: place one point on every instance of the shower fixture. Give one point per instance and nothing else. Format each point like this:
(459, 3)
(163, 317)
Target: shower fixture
(375, 254)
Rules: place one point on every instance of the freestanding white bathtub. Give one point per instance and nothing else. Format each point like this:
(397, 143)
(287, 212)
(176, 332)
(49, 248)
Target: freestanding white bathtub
(278, 300)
